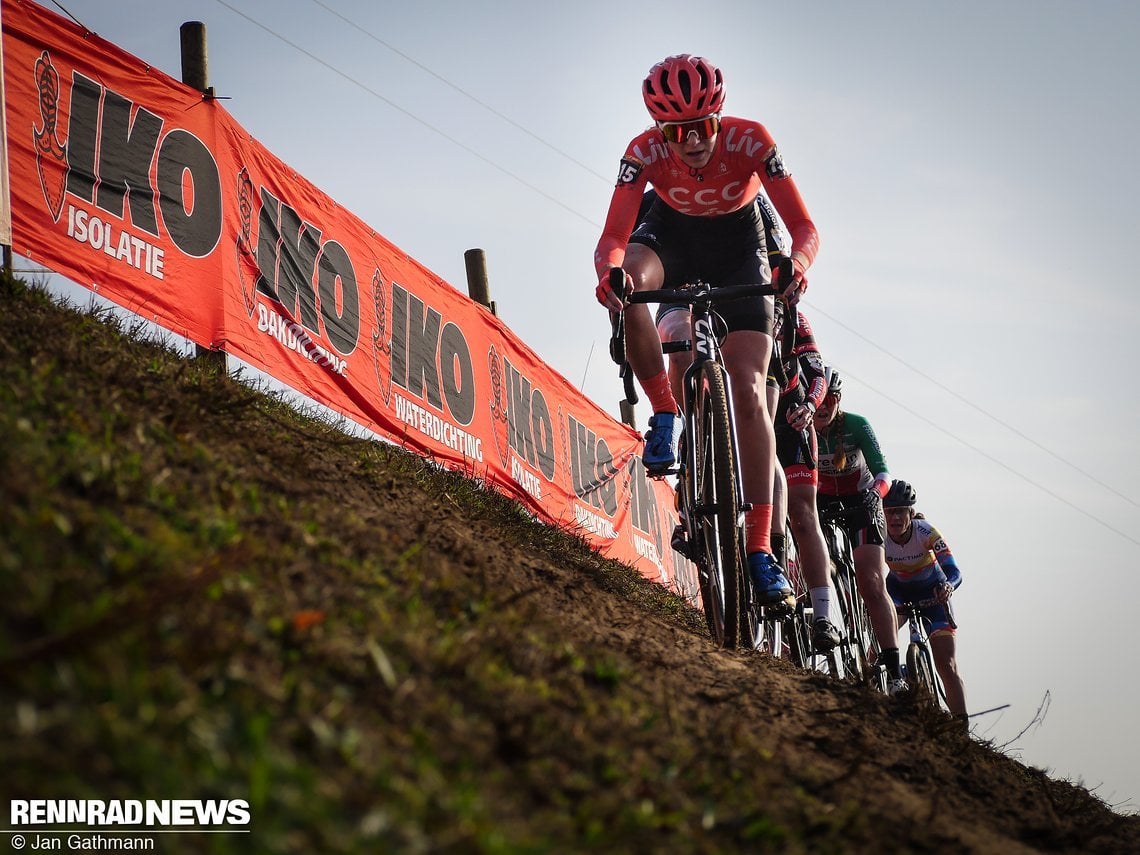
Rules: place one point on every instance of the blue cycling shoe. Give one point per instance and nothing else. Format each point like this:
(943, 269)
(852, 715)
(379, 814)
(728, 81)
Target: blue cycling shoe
(660, 453)
(768, 579)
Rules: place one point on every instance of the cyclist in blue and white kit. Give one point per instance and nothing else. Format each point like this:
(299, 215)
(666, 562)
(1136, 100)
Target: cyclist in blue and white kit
(922, 568)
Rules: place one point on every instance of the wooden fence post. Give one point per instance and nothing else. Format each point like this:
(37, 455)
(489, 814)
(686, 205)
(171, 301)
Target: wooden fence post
(627, 415)
(195, 65)
(477, 285)
(196, 73)
(5, 199)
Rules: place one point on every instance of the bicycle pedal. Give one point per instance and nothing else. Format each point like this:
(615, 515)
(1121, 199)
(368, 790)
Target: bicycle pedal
(782, 608)
(681, 544)
(661, 474)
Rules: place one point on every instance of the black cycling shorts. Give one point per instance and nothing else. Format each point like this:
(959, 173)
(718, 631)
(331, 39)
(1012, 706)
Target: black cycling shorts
(794, 448)
(724, 250)
(860, 515)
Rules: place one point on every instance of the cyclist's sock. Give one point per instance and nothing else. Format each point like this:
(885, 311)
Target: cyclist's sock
(821, 601)
(779, 547)
(889, 657)
(758, 529)
(660, 394)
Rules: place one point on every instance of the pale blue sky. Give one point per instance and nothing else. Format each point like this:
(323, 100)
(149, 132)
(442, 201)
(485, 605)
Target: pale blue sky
(970, 168)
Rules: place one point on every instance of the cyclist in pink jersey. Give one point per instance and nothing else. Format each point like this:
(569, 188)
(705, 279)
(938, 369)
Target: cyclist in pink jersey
(707, 171)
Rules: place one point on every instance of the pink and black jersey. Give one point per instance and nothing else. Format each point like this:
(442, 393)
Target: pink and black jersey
(744, 160)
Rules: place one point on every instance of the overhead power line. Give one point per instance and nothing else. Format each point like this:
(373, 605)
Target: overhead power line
(410, 114)
(995, 460)
(465, 93)
(1013, 429)
(1021, 434)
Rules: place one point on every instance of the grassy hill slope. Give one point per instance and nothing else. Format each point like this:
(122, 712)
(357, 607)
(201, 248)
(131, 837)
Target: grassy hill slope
(208, 595)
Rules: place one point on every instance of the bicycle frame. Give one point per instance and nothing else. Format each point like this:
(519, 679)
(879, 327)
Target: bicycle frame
(858, 647)
(737, 615)
(796, 633)
(921, 671)
(705, 346)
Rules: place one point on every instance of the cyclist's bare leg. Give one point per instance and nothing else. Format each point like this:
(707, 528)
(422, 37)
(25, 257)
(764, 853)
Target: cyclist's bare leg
(870, 576)
(746, 354)
(945, 650)
(643, 347)
(779, 482)
(676, 325)
(809, 537)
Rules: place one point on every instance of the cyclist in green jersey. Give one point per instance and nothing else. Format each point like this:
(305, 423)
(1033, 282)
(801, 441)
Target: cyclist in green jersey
(852, 482)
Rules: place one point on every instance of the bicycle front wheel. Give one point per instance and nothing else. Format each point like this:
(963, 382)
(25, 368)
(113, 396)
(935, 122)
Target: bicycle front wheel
(797, 631)
(797, 624)
(920, 672)
(856, 626)
(717, 511)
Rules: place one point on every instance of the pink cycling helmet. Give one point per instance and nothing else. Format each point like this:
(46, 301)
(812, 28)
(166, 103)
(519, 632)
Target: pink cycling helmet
(682, 88)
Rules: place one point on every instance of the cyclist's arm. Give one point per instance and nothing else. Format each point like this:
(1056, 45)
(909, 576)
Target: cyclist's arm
(781, 189)
(810, 362)
(864, 436)
(625, 204)
(945, 558)
(774, 236)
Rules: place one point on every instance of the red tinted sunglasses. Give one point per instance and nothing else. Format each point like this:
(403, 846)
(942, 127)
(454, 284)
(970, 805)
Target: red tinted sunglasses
(678, 132)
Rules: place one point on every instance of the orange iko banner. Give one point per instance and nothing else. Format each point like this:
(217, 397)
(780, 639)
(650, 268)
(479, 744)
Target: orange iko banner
(127, 181)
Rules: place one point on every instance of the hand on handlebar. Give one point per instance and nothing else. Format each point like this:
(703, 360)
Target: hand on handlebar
(800, 416)
(789, 281)
(606, 293)
(943, 592)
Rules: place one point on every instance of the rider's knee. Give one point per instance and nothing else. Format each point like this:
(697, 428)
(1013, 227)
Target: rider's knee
(674, 326)
(801, 505)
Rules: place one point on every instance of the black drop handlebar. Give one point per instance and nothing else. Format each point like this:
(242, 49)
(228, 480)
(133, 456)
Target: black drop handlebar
(915, 607)
(617, 337)
(701, 294)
